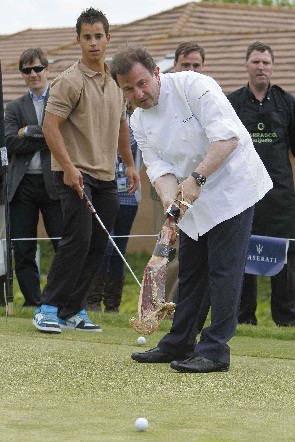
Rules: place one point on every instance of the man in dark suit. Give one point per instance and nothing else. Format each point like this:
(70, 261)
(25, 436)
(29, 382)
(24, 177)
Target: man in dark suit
(30, 185)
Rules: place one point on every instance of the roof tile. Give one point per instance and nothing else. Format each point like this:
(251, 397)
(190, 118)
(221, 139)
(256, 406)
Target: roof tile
(224, 30)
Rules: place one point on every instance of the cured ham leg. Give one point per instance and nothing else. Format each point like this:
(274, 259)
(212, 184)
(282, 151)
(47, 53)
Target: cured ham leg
(152, 307)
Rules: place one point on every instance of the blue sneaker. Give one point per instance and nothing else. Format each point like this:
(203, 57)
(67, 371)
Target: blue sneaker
(79, 321)
(45, 319)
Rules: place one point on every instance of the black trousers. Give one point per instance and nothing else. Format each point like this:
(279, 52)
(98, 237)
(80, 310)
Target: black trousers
(29, 200)
(215, 262)
(83, 243)
(282, 294)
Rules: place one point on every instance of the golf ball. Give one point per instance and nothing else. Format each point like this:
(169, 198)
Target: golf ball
(141, 423)
(141, 340)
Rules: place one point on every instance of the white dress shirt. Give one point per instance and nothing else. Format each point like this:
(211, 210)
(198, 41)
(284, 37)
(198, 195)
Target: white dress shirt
(174, 137)
(35, 166)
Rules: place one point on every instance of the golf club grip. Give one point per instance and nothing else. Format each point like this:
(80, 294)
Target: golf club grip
(88, 202)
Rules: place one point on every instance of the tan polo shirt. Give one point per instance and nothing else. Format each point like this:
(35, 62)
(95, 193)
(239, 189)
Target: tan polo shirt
(92, 116)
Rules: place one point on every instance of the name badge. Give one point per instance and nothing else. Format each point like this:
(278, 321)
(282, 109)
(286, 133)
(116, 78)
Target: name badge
(122, 184)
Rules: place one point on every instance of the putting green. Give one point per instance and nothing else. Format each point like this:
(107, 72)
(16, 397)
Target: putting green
(80, 386)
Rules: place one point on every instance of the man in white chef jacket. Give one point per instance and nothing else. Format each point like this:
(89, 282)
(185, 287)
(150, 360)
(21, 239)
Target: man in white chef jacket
(196, 150)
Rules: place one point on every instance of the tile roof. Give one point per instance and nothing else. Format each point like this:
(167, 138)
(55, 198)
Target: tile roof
(224, 30)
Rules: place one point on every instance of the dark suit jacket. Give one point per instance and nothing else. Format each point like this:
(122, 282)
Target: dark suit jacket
(20, 150)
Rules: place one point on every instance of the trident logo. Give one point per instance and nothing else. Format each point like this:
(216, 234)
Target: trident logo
(259, 248)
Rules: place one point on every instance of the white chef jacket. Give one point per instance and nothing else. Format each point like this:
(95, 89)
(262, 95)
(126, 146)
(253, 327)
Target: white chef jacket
(174, 137)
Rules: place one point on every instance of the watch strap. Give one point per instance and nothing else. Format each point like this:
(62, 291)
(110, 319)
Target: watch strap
(200, 179)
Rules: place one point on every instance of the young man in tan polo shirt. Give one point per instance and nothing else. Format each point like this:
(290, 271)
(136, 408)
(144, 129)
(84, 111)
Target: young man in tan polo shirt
(84, 124)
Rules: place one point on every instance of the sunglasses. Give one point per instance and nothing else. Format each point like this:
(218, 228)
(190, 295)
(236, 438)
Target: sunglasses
(36, 69)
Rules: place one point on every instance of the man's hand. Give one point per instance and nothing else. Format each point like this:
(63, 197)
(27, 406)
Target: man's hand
(22, 131)
(166, 187)
(133, 179)
(187, 191)
(54, 139)
(74, 179)
(167, 203)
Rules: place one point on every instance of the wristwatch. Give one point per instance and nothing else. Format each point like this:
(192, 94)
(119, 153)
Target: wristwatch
(200, 179)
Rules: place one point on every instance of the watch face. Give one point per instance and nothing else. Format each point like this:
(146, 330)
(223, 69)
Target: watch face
(200, 179)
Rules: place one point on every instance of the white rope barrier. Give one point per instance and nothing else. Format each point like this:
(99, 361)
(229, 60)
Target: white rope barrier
(59, 237)
(122, 236)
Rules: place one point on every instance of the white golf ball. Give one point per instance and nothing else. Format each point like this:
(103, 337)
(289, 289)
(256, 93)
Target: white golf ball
(141, 340)
(141, 423)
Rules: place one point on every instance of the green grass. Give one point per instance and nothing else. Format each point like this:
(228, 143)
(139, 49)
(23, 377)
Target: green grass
(84, 386)
(80, 386)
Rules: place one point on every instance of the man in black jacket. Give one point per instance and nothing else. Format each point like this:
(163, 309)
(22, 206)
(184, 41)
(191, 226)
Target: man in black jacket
(30, 185)
(268, 113)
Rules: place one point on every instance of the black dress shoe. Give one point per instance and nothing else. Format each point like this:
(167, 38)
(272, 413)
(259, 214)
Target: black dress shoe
(155, 355)
(197, 364)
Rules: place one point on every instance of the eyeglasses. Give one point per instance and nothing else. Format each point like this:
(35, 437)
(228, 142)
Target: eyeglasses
(36, 69)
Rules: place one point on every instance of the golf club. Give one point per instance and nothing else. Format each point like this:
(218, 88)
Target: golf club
(92, 209)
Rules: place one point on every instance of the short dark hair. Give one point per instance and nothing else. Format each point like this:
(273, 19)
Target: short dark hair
(261, 47)
(187, 47)
(30, 55)
(127, 56)
(91, 16)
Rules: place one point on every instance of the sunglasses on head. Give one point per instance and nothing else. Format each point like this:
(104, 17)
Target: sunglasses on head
(36, 69)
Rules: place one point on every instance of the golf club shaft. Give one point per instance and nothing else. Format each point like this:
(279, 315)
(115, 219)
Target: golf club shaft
(92, 209)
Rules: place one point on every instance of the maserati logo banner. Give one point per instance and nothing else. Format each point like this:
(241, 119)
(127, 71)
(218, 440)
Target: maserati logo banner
(266, 255)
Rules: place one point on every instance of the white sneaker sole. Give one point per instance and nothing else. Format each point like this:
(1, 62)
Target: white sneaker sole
(47, 329)
(89, 329)
(71, 327)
